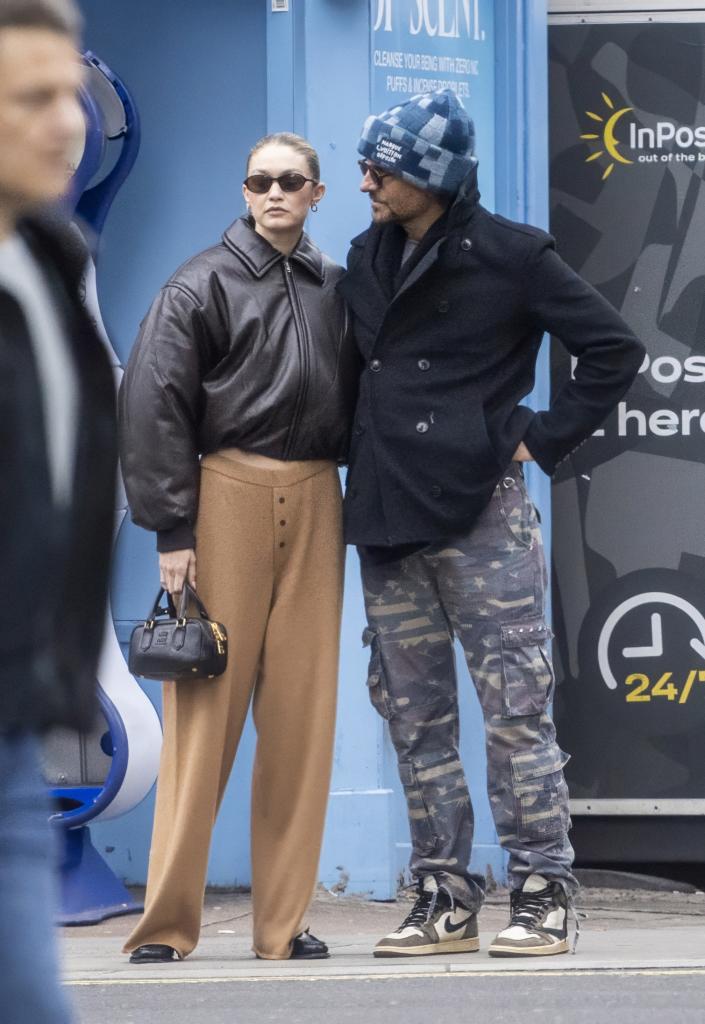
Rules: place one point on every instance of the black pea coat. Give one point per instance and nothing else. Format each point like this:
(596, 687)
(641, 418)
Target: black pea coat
(54, 564)
(450, 353)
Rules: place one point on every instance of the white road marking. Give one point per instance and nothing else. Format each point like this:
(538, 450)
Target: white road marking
(643, 972)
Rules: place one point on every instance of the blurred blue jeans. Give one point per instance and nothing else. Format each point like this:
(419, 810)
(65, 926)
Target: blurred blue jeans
(30, 992)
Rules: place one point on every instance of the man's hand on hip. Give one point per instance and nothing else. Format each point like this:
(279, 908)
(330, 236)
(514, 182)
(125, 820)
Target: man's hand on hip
(522, 454)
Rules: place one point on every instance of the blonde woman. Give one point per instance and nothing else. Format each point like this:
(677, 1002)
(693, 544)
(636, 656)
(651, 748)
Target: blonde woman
(235, 411)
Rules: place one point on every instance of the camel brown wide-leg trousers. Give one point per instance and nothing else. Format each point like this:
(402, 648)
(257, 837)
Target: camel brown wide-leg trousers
(270, 567)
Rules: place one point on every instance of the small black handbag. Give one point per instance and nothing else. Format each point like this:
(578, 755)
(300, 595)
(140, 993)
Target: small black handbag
(174, 646)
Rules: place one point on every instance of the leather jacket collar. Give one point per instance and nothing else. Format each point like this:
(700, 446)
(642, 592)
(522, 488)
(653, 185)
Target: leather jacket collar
(259, 256)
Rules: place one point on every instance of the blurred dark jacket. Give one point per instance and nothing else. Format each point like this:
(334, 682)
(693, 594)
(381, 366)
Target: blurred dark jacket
(54, 563)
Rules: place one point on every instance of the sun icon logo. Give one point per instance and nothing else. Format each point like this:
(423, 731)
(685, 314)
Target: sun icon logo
(607, 137)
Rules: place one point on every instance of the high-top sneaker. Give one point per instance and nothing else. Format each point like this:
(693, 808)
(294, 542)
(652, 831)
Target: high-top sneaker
(433, 926)
(538, 925)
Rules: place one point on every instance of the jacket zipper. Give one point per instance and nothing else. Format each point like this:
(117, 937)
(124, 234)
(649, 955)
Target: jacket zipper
(302, 339)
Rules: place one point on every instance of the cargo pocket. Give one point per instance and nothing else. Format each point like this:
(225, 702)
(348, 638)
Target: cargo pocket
(540, 793)
(376, 683)
(527, 676)
(423, 839)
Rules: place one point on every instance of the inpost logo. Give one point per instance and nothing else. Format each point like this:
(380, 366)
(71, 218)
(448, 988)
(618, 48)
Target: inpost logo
(606, 137)
(665, 142)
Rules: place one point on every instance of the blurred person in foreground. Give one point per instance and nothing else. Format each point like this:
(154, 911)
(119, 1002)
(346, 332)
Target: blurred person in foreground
(56, 485)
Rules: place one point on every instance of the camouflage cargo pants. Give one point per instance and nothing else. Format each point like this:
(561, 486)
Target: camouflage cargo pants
(487, 588)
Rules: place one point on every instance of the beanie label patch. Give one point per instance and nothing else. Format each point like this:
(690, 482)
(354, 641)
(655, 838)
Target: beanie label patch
(388, 152)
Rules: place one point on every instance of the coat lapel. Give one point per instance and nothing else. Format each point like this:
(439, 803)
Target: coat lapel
(360, 286)
(423, 265)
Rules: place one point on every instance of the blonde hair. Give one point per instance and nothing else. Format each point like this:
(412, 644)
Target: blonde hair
(295, 142)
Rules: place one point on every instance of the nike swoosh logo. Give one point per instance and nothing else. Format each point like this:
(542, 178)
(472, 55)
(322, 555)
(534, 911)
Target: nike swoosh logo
(450, 927)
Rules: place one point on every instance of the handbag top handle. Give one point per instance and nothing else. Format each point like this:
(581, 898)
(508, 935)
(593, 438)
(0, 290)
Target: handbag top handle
(188, 594)
(170, 609)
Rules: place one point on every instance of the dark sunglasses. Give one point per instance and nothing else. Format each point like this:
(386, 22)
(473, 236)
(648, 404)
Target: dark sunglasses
(374, 172)
(290, 181)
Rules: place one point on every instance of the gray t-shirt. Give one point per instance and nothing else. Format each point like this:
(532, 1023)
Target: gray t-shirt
(409, 247)
(22, 277)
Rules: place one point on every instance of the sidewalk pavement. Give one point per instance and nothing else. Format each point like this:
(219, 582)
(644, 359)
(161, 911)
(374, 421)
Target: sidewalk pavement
(625, 931)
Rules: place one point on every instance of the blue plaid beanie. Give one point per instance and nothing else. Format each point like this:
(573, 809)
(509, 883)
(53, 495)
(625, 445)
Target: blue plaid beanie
(428, 141)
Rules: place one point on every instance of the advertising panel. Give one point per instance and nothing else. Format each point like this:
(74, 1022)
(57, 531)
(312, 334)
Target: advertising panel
(627, 123)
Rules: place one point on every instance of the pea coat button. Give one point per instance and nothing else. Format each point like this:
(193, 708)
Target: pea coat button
(436, 491)
(422, 427)
(376, 365)
(443, 306)
(423, 364)
(466, 245)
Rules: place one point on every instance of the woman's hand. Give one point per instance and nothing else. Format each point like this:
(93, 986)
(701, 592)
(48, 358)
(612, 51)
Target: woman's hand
(175, 567)
(522, 454)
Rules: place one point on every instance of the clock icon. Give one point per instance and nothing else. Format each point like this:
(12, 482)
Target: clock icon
(654, 647)
(642, 653)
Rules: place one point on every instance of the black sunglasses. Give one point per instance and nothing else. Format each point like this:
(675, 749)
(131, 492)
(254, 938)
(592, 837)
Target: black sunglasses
(377, 176)
(290, 181)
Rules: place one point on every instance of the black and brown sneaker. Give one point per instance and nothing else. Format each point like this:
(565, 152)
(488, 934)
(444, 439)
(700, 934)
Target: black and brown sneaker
(434, 925)
(538, 925)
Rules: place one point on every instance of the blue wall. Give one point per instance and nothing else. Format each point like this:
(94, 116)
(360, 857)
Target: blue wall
(521, 146)
(308, 71)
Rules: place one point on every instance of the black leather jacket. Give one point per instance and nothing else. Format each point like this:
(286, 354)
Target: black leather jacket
(242, 348)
